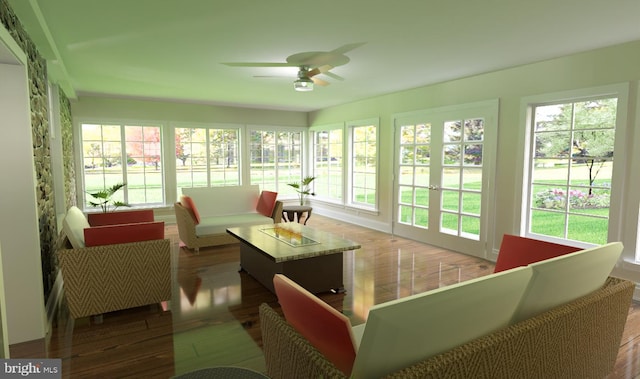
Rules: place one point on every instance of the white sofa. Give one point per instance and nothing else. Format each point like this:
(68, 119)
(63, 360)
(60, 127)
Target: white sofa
(203, 214)
(556, 318)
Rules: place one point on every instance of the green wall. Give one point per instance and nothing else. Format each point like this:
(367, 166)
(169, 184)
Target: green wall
(611, 65)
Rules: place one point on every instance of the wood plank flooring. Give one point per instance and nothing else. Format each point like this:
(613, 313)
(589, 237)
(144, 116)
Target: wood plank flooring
(212, 319)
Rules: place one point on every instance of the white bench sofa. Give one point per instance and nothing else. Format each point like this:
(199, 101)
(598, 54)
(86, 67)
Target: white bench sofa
(556, 318)
(203, 214)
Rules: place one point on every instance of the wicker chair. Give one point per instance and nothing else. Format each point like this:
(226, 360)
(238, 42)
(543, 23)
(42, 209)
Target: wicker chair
(113, 266)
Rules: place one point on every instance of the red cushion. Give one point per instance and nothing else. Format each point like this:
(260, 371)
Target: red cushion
(266, 202)
(123, 233)
(518, 251)
(324, 327)
(120, 217)
(188, 203)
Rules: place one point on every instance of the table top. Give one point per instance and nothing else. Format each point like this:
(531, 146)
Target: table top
(296, 208)
(291, 241)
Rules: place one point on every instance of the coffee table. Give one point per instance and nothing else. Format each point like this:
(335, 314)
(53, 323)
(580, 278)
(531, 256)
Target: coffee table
(310, 257)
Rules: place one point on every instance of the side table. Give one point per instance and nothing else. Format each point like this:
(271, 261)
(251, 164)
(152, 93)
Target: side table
(291, 213)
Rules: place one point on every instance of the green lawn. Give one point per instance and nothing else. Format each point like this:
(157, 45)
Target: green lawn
(587, 225)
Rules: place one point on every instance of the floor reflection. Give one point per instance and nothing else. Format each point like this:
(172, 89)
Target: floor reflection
(215, 308)
(212, 319)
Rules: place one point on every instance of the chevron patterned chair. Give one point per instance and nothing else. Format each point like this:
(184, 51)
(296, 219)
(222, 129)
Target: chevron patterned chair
(113, 267)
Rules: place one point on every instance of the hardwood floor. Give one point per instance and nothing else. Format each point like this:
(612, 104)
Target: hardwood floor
(213, 317)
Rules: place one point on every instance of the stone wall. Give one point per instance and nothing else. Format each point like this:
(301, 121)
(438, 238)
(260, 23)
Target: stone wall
(37, 76)
(66, 125)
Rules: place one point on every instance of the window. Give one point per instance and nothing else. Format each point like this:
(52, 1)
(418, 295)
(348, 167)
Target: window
(462, 168)
(571, 169)
(364, 164)
(275, 159)
(118, 153)
(207, 157)
(327, 163)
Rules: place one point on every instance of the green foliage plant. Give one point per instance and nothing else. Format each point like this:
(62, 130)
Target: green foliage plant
(303, 188)
(103, 199)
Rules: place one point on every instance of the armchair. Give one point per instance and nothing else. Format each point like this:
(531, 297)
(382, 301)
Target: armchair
(113, 267)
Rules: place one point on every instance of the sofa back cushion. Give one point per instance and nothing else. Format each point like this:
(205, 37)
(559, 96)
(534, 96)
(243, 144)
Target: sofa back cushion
(123, 233)
(220, 201)
(73, 225)
(120, 217)
(266, 202)
(518, 251)
(559, 280)
(401, 332)
(325, 328)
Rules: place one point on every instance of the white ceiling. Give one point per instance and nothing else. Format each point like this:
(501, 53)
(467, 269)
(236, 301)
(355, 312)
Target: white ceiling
(174, 49)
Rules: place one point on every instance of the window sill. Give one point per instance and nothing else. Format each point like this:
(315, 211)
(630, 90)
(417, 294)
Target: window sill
(631, 265)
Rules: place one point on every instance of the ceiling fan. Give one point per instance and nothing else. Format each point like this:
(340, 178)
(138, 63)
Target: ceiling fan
(306, 77)
(309, 65)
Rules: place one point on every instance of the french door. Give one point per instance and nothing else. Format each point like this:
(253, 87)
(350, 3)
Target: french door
(445, 163)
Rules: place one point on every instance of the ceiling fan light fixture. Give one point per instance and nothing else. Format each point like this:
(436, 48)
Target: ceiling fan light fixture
(303, 85)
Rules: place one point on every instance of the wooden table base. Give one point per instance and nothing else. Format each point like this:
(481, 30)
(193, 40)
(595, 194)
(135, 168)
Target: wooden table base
(316, 274)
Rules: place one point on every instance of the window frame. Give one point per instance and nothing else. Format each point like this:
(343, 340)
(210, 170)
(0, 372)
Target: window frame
(207, 128)
(285, 192)
(82, 195)
(349, 198)
(323, 193)
(618, 197)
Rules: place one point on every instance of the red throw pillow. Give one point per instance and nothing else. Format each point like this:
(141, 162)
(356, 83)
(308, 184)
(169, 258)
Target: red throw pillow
(518, 251)
(188, 203)
(266, 202)
(323, 326)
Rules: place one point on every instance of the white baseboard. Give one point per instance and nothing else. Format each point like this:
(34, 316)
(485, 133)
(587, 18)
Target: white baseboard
(352, 218)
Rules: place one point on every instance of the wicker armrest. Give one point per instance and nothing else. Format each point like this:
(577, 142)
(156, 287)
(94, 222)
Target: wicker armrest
(186, 224)
(287, 353)
(276, 215)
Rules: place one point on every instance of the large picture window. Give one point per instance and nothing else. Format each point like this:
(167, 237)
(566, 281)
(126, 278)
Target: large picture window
(571, 169)
(117, 153)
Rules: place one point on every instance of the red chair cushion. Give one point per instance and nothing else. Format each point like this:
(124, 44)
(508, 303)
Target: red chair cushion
(188, 203)
(266, 202)
(518, 251)
(324, 327)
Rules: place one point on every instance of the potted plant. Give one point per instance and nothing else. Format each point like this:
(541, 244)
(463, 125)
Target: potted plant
(303, 188)
(103, 198)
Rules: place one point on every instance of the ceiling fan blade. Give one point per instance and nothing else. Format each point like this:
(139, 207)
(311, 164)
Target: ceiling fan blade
(313, 72)
(259, 64)
(320, 82)
(334, 76)
(347, 48)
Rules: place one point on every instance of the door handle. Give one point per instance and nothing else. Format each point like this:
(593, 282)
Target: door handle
(435, 188)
